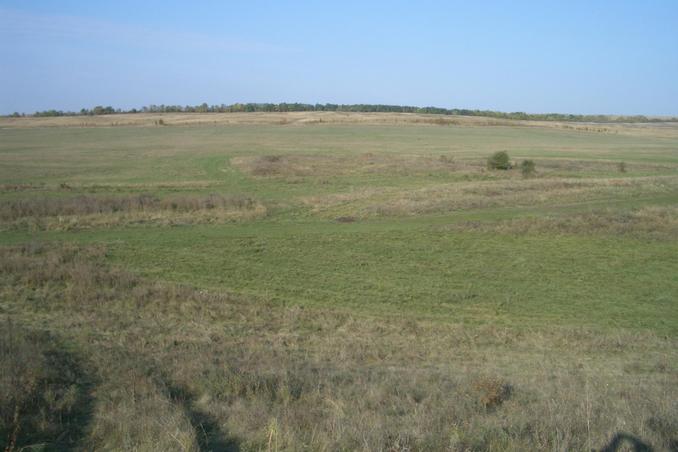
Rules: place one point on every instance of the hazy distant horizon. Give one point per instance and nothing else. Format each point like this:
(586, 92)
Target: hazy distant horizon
(611, 57)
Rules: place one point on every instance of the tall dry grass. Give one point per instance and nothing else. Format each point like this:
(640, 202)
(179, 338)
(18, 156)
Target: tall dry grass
(178, 368)
(90, 211)
(450, 197)
(654, 222)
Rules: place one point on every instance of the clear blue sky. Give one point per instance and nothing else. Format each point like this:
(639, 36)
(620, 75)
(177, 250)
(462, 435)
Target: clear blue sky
(618, 57)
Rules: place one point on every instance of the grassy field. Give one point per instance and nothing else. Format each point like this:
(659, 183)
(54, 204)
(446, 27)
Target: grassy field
(337, 282)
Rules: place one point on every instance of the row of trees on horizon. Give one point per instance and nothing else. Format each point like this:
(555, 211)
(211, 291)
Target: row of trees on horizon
(362, 108)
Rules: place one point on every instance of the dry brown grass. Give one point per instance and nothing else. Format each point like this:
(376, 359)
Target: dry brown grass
(324, 166)
(344, 165)
(492, 391)
(178, 368)
(19, 187)
(442, 198)
(655, 222)
(311, 118)
(578, 166)
(102, 211)
(289, 118)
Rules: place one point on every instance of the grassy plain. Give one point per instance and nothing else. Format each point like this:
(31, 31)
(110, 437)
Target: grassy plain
(338, 282)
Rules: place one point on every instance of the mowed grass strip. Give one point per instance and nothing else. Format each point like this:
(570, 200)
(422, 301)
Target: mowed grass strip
(480, 277)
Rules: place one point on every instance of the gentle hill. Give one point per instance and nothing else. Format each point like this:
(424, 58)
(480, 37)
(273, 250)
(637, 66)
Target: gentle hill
(666, 129)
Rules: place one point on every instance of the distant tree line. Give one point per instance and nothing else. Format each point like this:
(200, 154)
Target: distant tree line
(98, 110)
(362, 108)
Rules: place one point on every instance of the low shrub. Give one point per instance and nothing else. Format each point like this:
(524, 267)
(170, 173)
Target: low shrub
(492, 391)
(268, 165)
(499, 160)
(528, 168)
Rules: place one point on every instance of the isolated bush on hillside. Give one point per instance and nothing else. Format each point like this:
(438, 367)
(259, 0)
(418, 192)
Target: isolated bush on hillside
(528, 168)
(499, 160)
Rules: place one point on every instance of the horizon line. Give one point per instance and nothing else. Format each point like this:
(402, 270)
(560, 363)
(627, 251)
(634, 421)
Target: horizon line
(275, 107)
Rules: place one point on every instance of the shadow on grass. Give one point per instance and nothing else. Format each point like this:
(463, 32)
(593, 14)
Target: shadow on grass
(47, 404)
(625, 441)
(210, 436)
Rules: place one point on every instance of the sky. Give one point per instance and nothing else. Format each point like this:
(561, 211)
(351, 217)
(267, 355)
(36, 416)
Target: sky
(587, 57)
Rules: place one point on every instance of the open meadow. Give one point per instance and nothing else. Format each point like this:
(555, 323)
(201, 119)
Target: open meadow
(337, 281)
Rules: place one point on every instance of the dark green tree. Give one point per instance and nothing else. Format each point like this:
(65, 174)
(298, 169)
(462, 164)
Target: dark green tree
(499, 160)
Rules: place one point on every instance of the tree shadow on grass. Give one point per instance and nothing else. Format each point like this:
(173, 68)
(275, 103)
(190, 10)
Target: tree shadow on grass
(210, 436)
(621, 441)
(47, 402)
